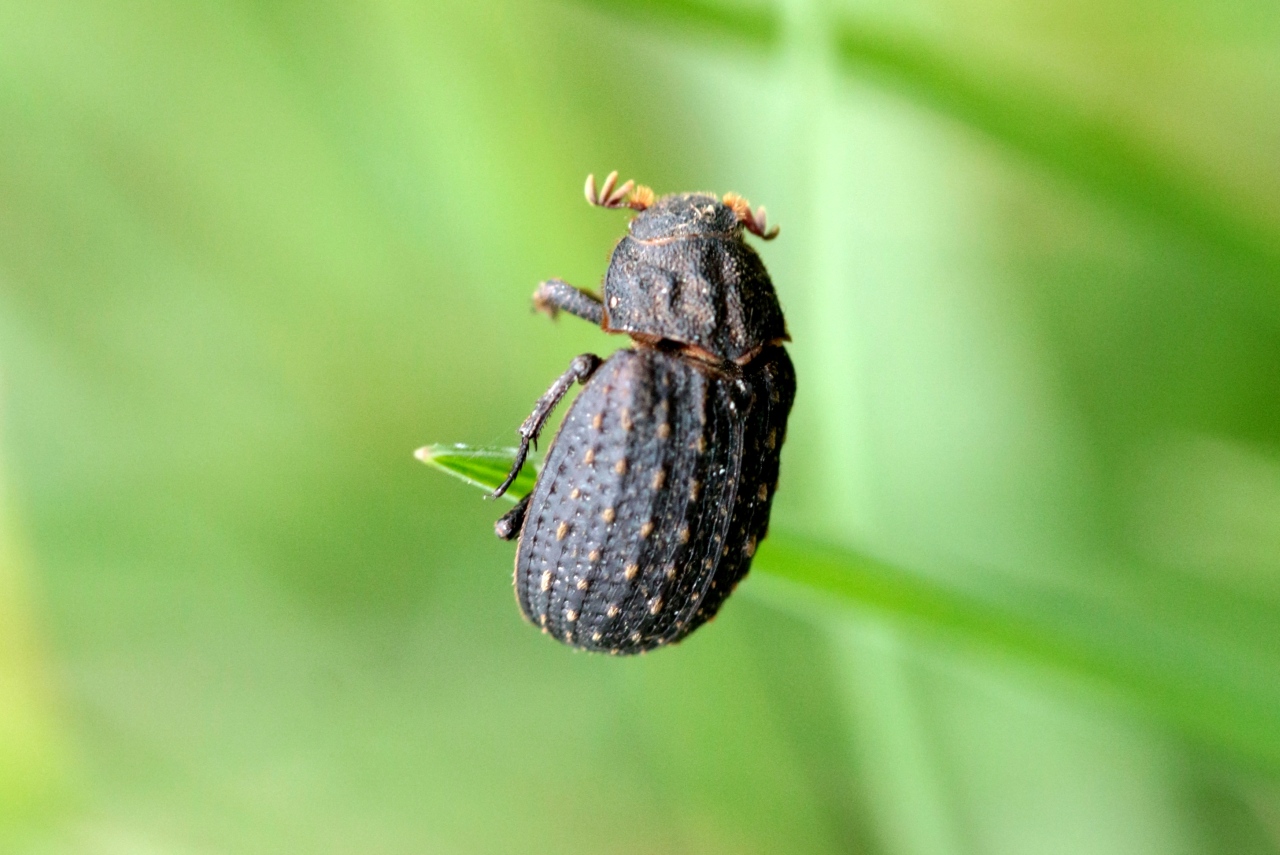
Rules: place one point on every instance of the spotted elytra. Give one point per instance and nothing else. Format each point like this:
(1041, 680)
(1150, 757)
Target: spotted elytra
(657, 488)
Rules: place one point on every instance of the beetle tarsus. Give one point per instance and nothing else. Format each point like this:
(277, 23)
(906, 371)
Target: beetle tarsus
(579, 371)
(556, 295)
(507, 526)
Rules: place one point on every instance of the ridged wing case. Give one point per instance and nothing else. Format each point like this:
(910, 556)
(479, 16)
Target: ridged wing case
(652, 498)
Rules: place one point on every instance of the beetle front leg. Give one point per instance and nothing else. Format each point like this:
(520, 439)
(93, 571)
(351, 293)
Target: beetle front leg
(556, 295)
(579, 371)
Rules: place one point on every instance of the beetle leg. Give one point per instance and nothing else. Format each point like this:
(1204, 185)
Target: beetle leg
(507, 526)
(579, 371)
(555, 295)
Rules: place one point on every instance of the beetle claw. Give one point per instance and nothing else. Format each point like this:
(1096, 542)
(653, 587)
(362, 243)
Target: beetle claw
(756, 222)
(610, 195)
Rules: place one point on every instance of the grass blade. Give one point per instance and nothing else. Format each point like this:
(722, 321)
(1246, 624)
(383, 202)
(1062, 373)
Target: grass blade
(1210, 687)
(1206, 686)
(1090, 149)
(481, 467)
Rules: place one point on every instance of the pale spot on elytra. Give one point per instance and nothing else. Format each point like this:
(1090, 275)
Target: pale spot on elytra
(613, 610)
(546, 580)
(763, 492)
(608, 515)
(589, 457)
(597, 420)
(670, 570)
(621, 466)
(664, 430)
(595, 636)
(631, 571)
(571, 615)
(772, 440)
(646, 529)
(659, 478)
(684, 535)
(593, 555)
(624, 418)
(583, 584)
(562, 530)
(575, 493)
(655, 606)
(750, 548)
(695, 487)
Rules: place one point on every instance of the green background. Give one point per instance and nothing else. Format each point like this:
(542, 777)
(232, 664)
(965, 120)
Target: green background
(253, 254)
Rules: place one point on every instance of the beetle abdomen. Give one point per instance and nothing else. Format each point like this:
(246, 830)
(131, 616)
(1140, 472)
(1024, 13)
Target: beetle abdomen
(652, 499)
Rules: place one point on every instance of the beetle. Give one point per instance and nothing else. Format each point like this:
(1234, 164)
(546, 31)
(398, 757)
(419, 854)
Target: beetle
(657, 488)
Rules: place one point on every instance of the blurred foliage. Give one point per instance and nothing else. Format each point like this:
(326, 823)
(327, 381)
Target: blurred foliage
(253, 254)
(31, 762)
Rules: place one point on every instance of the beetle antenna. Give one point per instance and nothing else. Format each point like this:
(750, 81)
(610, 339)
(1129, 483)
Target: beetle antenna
(756, 222)
(610, 195)
(641, 197)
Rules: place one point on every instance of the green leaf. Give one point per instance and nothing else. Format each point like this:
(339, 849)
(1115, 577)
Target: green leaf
(1202, 684)
(481, 467)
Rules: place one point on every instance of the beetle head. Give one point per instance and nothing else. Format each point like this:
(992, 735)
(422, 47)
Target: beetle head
(684, 275)
(682, 215)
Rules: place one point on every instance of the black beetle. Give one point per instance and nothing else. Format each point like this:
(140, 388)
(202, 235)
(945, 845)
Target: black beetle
(657, 488)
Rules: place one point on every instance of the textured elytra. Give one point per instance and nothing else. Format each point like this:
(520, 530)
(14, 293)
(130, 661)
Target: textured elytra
(652, 498)
(683, 274)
